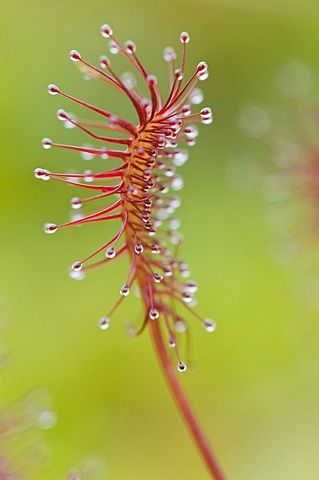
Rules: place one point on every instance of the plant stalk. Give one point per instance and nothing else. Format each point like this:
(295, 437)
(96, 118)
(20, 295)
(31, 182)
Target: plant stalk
(183, 404)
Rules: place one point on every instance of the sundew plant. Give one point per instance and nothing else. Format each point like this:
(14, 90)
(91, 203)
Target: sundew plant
(140, 195)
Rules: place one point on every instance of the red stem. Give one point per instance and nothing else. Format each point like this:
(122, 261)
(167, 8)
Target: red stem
(183, 404)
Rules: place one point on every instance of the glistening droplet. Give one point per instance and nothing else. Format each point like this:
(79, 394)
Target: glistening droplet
(104, 323)
(209, 325)
(181, 367)
(153, 314)
(50, 228)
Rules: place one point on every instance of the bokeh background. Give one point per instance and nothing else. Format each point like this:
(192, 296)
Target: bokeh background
(255, 385)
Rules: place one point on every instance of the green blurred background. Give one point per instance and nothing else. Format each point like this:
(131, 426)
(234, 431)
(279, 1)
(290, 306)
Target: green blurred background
(256, 382)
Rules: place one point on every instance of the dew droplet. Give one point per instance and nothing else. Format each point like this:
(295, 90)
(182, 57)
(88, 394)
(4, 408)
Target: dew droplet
(201, 67)
(174, 202)
(183, 266)
(157, 277)
(87, 155)
(76, 275)
(46, 419)
(196, 96)
(176, 239)
(191, 286)
(187, 297)
(77, 266)
(76, 216)
(164, 188)
(151, 162)
(124, 291)
(180, 326)
(130, 47)
(129, 80)
(169, 208)
(151, 80)
(50, 228)
(176, 123)
(169, 54)
(206, 115)
(42, 174)
(174, 223)
(146, 217)
(75, 56)
(185, 273)
(69, 121)
(132, 190)
(88, 176)
(106, 30)
(113, 47)
(181, 367)
(206, 112)
(53, 89)
(161, 143)
(209, 325)
(104, 61)
(203, 75)
(169, 171)
(184, 37)
(110, 253)
(177, 183)
(180, 158)
(207, 121)
(191, 132)
(169, 133)
(138, 248)
(46, 143)
(172, 341)
(156, 249)
(171, 143)
(168, 272)
(76, 203)
(147, 174)
(150, 184)
(104, 323)
(153, 314)
(61, 114)
(148, 225)
(186, 110)
(104, 153)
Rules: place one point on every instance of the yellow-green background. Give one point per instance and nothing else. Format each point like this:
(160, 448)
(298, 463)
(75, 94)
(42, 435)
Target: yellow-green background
(254, 388)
